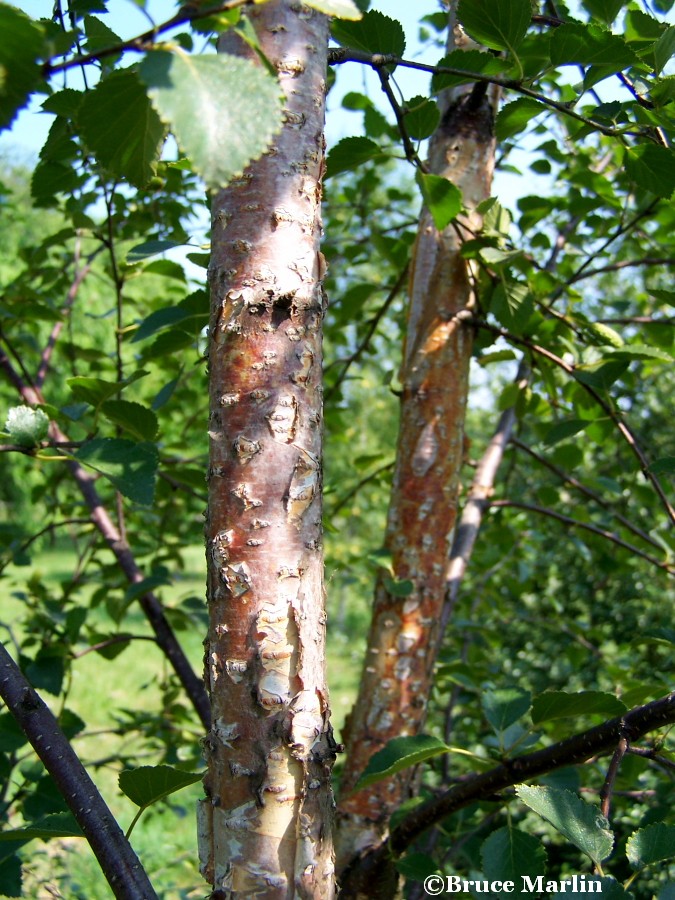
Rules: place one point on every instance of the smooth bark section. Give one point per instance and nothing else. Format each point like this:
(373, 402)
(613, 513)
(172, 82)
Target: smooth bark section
(404, 634)
(121, 867)
(150, 603)
(265, 825)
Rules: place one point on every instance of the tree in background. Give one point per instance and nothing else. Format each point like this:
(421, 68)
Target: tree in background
(559, 313)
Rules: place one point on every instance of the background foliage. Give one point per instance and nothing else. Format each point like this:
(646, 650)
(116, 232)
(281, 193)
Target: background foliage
(103, 307)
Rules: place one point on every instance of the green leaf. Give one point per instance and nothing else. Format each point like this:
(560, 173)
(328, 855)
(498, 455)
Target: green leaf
(663, 466)
(373, 33)
(150, 248)
(664, 49)
(602, 335)
(95, 390)
(421, 118)
(350, 153)
(470, 61)
(442, 198)
(121, 128)
(601, 375)
(21, 43)
(511, 302)
(148, 784)
(579, 822)
(508, 854)
(223, 110)
(130, 466)
(514, 117)
(11, 873)
(651, 844)
(194, 307)
(52, 826)
(640, 351)
(561, 705)
(498, 24)
(341, 9)
(400, 753)
(134, 418)
(416, 866)
(399, 588)
(604, 10)
(504, 706)
(652, 168)
(26, 426)
(586, 45)
(99, 36)
(563, 430)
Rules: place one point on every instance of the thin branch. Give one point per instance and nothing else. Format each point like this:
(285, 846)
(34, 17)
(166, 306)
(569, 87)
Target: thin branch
(344, 500)
(410, 152)
(624, 430)
(574, 750)
(372, 328)
(121, 867)
(624, 264)
(477, 501)
(188, 13)
(583, 489)
(111, 642)
(608, 787)
(586, 526)
(46, 356)
(340, 55)
(150, 604)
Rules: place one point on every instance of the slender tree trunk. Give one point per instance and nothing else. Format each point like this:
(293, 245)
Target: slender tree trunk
(265, 825)
(403, 637)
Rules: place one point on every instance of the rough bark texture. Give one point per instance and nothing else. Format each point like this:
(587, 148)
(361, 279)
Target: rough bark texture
(404, 632)
(265, 825)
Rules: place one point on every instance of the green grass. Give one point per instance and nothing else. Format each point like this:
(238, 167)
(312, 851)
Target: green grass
(101, 692)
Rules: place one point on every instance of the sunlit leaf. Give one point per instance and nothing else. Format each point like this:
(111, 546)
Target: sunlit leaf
(21, 43)
(130, 466)
(148, 784)
(498, 24)
(579, 822)
(504, 706)
(651, 844)
(442, 198)
(373, 33)
(223, 110)
(400, 753)
(560, 705)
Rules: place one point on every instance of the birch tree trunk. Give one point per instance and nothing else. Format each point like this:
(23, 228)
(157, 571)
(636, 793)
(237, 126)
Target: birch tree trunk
(403, 639)
(265, 825)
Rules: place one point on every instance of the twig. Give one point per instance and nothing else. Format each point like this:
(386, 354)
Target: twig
(624, 264)
(340, 55)
(121, 867)
(372, 328)
(583, 489)
(623, 429)
(608, 787)
(189, 13)
(410, 152)
(150, 604)
(344, 500)
(594, 529)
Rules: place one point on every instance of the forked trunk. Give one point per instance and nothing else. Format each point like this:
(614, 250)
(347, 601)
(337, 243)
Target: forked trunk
(403, 639)
(265, 825)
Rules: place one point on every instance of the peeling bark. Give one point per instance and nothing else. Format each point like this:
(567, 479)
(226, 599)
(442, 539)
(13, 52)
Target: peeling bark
(265, 825)
(403, 637)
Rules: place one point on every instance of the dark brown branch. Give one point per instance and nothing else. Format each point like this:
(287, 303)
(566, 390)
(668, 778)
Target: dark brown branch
(121, 867)
(339, 55)
(150, 604)
(586, 526)
(372, 328)
(624, 264)
(190, 12)
(586, 491)
(621, 426)
(376, 868)
(608, 787)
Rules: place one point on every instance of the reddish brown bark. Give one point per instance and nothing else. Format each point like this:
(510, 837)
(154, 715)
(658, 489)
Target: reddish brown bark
(403, 636)
(265, 825)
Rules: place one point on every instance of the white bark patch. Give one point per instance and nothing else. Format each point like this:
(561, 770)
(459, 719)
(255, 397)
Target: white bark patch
(237, 578)
(243, 493)
(306, 359)
(246, 448)
(225, 732)
(236, 668)
(229, 399)
(275, 634)
(426, 451)
(303, 487)
(205, 838)
(282, 421)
